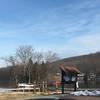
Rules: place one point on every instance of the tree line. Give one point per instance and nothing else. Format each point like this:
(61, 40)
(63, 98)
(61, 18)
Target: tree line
(27, 65)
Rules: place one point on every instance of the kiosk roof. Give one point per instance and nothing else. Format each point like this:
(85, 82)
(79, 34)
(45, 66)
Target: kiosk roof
(70, 69)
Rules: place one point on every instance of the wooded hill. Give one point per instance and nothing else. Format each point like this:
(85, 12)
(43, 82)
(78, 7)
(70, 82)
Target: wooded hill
(85, 63)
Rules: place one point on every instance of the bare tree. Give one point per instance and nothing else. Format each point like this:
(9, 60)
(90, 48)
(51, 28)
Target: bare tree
(51, 57)
(30, 65)
(43, 72)
(23, 54)
(35, 72)
(10, 60)
(38, 57)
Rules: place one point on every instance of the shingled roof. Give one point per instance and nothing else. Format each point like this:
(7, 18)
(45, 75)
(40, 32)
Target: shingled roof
(70, 69)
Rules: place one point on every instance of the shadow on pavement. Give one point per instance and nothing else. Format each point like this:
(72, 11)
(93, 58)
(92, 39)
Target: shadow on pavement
(52, 99)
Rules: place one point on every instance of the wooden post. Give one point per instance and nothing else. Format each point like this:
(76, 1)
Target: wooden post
(34, 87)
(62, 81)
(46, 86)
(62, 88)
(43, 86)
(56, 87)
(75, 86)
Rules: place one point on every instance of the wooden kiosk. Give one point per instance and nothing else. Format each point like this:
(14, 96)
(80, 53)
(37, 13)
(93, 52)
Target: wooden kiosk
(69, 76)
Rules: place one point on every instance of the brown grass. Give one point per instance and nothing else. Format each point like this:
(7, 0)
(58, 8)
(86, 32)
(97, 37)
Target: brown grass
(16, 96)
(24, 96)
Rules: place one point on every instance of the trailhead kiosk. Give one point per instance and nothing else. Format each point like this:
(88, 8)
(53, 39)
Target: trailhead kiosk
(69, 76)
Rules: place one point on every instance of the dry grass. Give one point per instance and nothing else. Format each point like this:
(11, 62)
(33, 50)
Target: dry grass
(24, 96)
(16, 96)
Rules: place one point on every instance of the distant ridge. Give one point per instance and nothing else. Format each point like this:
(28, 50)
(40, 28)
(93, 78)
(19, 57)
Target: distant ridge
(86, 63)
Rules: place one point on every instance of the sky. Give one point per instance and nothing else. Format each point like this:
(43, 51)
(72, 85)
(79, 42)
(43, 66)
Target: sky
(66, 27)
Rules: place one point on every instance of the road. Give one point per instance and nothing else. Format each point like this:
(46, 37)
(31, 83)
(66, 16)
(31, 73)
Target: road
(65, 97)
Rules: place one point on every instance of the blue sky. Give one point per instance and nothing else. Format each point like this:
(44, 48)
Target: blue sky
(67, 27)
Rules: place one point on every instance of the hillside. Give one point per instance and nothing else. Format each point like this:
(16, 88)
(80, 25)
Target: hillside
(86, 63)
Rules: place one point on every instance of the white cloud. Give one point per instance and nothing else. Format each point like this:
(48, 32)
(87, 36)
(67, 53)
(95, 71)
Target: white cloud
(87, 40)
(80, 45)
